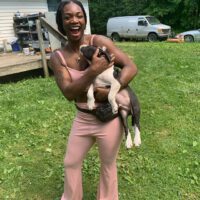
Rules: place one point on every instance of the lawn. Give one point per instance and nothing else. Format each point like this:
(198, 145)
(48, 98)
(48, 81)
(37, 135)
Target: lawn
(35, 120)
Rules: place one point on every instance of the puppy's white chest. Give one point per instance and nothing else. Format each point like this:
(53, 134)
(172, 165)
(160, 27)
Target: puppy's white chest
(105, 78)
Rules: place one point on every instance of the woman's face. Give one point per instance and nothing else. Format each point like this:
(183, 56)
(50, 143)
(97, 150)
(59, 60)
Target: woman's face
(73, 21)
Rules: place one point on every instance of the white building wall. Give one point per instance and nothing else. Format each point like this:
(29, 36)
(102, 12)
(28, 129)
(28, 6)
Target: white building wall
(86, 7)
(9, 7)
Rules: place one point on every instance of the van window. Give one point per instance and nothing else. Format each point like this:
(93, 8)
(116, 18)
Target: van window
(152, 20)
(142, 23)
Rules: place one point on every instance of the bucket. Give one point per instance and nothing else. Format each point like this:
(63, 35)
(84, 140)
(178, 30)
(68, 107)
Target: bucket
(26, 51)
(15, 46)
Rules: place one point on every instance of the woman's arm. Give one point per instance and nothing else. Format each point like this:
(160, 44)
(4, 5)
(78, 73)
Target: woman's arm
(73, 89)
(128, 68)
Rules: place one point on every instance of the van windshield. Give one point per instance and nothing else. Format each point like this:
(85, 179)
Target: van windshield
(153, 20)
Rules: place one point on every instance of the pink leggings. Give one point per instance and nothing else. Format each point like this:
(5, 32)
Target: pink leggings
(86, 130)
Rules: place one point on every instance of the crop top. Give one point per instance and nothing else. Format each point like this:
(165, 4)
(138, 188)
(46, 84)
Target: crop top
(74, 73)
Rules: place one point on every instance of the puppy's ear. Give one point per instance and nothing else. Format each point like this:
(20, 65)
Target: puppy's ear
(87, 51)
(103, 48)
(81, 48)
(104, 53)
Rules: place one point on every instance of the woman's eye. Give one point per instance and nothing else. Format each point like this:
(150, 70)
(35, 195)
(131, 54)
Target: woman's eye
(66, 17)
(80, 16)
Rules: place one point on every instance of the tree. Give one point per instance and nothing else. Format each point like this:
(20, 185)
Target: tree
(191, 14)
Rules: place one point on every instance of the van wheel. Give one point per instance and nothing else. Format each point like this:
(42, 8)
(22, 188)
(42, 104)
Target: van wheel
(152, 37)
(188, 38)
(116, 37)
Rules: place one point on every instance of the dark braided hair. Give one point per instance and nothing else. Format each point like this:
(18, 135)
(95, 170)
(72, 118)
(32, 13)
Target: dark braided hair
(59, 19)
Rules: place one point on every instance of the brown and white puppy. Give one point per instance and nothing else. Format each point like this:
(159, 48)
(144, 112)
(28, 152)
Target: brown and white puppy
(123, 101)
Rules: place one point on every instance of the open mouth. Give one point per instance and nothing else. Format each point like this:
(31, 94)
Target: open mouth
(75, 30)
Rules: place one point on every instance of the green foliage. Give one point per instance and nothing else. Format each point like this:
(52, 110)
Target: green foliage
(102, 10)
(191, 12)
(35, 121)
(180, 14)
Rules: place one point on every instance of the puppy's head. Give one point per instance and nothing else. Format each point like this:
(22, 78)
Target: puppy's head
(87, 51)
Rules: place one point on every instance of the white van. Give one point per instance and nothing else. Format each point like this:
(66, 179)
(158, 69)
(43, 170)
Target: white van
(137, 27)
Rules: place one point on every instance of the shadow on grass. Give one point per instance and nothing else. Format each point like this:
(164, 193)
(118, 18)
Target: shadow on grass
(14, 78)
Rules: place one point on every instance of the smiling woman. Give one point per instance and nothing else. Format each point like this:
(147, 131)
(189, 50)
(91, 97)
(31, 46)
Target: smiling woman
(65, 15)
(74, 80)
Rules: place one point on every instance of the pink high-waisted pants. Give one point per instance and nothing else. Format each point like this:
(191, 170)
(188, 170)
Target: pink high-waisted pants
(85, 131)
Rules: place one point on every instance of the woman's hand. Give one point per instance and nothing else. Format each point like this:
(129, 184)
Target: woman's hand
(100, 64)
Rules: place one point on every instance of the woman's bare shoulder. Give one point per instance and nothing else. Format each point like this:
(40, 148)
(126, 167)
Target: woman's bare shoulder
(55, 58)
(55, 52)
(102, 40)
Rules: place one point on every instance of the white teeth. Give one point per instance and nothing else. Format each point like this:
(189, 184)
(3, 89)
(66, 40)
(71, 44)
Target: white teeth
(75, 28)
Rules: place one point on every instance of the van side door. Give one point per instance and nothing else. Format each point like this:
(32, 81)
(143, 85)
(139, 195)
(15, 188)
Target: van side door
(129, 29)
(142, 28)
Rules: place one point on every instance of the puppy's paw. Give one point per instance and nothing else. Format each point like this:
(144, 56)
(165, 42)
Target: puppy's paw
(129, 142)
(137, 140)
(115, 109)
(91, 105)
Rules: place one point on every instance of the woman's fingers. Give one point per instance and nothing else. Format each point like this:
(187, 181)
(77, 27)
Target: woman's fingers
(112, 57)
(96, 53)
(112, 60)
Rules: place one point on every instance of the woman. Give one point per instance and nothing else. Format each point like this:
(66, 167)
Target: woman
(73, 81)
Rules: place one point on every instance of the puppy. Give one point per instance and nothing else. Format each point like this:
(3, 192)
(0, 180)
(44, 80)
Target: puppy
(104, 79)
(123, 101)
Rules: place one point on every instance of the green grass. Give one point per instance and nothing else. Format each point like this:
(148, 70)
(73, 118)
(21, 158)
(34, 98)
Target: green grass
(35, 120)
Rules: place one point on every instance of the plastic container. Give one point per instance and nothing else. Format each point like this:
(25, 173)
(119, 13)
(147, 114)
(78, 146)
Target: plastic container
(26, 51)
(15, 46)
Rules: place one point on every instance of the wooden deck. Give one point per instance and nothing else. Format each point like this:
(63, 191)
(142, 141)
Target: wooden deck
(12, 63)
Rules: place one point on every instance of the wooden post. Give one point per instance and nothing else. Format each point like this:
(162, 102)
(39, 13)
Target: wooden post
(41, 44)
(5, 46)
(53, 31)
